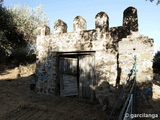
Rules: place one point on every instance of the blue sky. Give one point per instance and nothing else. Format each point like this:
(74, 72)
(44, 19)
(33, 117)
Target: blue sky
(67, 10)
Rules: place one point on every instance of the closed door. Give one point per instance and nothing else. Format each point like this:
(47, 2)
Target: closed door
(86, 76)
(68, 76)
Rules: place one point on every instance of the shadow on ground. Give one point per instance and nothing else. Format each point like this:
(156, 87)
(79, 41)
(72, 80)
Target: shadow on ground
(19, 102)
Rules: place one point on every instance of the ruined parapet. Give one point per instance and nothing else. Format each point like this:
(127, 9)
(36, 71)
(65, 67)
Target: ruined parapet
(60, 27)
(130, 19)
(102, 22)
(79, 24)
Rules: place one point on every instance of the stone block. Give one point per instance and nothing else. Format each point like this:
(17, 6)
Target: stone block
(79, 24)
(130, 19)
(102, 22)
(60, 27)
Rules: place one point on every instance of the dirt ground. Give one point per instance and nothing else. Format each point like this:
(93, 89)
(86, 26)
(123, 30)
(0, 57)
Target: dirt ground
(18, 102)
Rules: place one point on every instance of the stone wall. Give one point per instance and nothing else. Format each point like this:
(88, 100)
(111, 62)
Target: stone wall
(113, 49)
(141, 47)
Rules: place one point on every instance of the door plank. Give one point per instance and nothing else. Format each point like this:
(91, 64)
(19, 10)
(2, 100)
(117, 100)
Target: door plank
(68, 77)
(86, 78)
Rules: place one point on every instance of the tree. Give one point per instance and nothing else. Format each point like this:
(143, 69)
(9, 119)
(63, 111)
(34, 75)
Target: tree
(156, 63)
(1, 1)
(17, 29)
(27, 19)
(158, 1)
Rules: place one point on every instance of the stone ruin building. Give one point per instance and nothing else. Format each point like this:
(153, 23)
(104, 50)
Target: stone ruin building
(92, 63)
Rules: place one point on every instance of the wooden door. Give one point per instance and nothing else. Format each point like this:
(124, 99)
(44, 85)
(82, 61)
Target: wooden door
(86, 76)
(68, 76)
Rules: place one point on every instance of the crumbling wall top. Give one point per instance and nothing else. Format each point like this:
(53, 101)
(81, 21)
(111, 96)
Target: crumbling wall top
(130, 23)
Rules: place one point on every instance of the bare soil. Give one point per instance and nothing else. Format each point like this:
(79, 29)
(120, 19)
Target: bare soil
(18, 102)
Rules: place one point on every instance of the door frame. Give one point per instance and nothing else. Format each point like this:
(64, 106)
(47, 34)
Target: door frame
(75, 54)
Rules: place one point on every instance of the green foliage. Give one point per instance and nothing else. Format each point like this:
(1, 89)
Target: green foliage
(17, 28)
(7, 33)
(156, 63)
(158, 1)
(27, 19)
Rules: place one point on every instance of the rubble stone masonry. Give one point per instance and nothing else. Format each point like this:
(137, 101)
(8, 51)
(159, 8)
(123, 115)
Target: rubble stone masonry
(113, 51)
